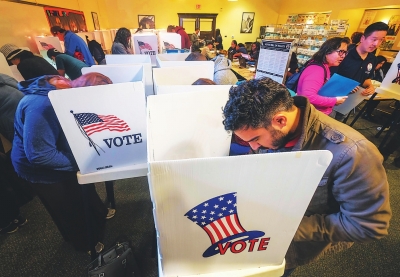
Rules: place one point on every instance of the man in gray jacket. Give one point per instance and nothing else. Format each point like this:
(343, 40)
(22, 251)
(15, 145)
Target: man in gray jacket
(9, 99)
(351, 202)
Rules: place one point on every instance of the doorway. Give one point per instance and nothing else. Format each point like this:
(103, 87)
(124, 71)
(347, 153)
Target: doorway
(205, 21)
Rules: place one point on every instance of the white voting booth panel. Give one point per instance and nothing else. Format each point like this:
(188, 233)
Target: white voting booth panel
(390, 87)
(105, 127)
(182, 75)
(129, 59)
(218, 215)
(168, 41)
(164, 59)
(190, 88)
(146, 44)
(46, 43)
(118, 74)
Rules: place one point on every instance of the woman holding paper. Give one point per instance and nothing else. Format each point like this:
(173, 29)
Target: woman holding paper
(316, 74)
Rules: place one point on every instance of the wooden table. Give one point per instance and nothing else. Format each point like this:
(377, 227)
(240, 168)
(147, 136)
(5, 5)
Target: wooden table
(245, 72)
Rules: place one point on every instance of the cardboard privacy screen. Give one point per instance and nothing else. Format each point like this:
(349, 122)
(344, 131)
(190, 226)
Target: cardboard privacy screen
(215, 213)
(182, 75)
(105, 125)
(391, 82)
(146, 44)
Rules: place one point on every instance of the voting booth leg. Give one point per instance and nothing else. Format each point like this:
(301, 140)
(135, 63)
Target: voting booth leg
(363, 109)
(110, 193)
(90, 229)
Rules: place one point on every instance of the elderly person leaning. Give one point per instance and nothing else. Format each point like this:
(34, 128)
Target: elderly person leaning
(41, 155)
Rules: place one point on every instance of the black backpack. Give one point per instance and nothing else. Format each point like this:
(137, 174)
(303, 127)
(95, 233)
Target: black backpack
(96, 50)
(292, 81)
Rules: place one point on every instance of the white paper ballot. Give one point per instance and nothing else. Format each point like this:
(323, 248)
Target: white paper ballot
(351, 102)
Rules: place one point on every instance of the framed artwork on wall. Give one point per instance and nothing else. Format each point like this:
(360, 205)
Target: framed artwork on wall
(247, 22)
(67, 19)
(147, 21)
(95, 21)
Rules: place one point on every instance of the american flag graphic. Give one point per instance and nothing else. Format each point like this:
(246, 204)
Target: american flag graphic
(218, 217)
(46, 46)
(144, 45)
(92, 123)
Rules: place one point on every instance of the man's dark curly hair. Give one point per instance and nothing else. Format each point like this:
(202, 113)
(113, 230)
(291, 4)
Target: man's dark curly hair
(254, 103)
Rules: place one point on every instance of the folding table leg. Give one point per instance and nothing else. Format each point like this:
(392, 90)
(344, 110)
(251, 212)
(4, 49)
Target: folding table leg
(363, 109)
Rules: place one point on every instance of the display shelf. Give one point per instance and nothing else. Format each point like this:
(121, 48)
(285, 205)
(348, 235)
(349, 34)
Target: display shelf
(307, 38)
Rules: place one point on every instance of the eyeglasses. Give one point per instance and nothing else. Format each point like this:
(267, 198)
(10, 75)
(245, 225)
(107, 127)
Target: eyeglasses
(342, 52)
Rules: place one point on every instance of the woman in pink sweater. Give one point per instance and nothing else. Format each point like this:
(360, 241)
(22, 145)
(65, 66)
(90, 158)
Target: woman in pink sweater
(331, 53)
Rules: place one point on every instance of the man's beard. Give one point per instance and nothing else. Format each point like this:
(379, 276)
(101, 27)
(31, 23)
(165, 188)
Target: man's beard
(279, 139)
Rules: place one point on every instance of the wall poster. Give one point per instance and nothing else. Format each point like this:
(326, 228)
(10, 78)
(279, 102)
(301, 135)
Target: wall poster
(247, 22)
(67, 19)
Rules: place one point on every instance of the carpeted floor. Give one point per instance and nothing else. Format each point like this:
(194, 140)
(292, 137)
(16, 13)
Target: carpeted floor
(38, 249)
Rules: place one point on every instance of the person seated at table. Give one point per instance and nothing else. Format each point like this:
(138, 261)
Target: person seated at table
(223, 74)
(240, 48)
(66, 64)
(255, 51)
(232, 49)
(316, 73)
(42, 156)
(206, 50)
(378, 74)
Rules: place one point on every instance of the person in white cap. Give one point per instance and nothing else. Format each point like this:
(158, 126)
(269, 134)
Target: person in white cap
(29, 65)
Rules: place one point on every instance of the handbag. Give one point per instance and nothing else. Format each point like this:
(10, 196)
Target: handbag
(115, 262)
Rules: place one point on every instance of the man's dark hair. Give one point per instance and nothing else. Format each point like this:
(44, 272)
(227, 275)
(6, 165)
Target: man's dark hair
(56, 29)
(203, 81)
(241, 45)
(52, 53)
(234, 41)
(197, 29)
(327, 47)
(210, 42)
(356, 37)
(170, 28)
(376, 26)
(254, 103)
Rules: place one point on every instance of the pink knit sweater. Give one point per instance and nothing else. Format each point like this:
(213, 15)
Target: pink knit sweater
(310, 82)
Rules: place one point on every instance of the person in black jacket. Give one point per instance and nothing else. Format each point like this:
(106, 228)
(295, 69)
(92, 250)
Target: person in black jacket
(29, 65)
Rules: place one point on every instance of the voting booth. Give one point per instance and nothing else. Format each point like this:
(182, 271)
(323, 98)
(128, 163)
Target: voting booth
(390, 86)
(46, 43)
(130, 59)
(166, 89)
(106, 129)
(182, 75)
(168, 41)
(173, 59)
(146, 44)
(217, 215)
(118, 74)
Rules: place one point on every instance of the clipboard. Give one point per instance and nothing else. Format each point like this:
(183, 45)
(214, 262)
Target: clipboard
(352, 101)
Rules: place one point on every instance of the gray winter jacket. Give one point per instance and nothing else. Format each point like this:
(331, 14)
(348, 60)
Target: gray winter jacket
(351, 203)
(9, 99)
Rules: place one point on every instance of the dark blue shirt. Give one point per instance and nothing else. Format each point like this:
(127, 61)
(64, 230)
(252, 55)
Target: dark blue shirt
(355, 68)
